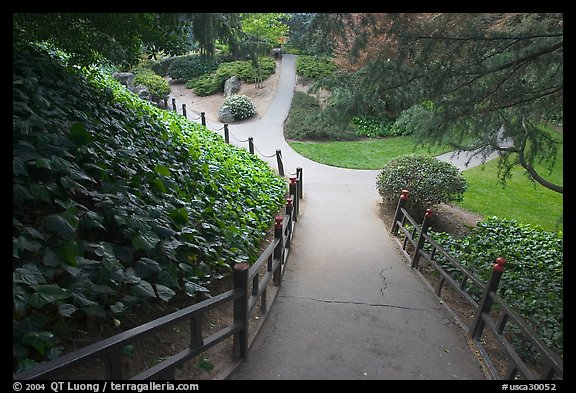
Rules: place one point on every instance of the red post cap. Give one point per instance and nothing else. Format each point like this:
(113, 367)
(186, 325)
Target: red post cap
(499, 265)
(278, 220)
(404, 195)
(289, 202)
(428, 212)
(293, 179)
(241, 266)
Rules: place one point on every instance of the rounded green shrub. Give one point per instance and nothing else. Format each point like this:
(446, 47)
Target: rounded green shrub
(162, 67)
(429, 181)
(157, 86)
(241, 106)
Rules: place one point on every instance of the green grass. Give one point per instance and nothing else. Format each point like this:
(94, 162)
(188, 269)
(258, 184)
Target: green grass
(363, 154)
(521, 199)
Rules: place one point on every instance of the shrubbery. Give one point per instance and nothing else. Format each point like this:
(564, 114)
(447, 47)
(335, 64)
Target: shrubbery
(189, 67)
(214, 82)
(240, 105)
(429, 181)
(305, 121)
(118, 205)
(408, 120)
(372, 127)
(162, 67)
(314, 67)
(157, 86)
(532, 282)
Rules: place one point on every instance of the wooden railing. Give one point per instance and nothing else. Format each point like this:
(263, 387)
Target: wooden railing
(482, 298)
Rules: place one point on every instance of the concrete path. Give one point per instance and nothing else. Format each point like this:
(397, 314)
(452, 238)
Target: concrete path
(349, 307)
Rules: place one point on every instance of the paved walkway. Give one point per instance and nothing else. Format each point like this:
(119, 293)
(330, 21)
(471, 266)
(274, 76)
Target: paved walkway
(350, 307)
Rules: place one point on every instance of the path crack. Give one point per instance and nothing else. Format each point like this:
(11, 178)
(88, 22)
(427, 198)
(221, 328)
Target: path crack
(356, 303)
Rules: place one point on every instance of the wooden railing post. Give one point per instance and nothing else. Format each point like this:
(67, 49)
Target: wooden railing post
(203, 118)
(226, 134)
(486, 301)
(184, 110)
(240, 344)
(300, 184)
(293, 190)
(280, 164)
(401, 204)
(251, 144)
(279, 250)
(423, 231)
(174, 104)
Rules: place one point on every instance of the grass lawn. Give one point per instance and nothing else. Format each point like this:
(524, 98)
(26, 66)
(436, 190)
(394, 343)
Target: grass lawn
(363, 154)
(521, 199)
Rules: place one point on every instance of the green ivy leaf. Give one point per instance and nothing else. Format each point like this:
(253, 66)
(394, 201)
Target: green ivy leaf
(162, 170)
(46, 294)
(191, 288)
(79, 135)
(58, 225)
(69, 252)
(66, 310)
(145, 242)
(143, 289)
(40, 341)
(164, 293)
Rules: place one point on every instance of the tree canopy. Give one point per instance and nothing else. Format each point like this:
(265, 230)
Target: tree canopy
(118, 37)
(487, 81)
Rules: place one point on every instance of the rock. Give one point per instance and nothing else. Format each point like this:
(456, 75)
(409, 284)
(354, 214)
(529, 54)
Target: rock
(142, 92)
(126, 78)
(231, 86)
(225, 114)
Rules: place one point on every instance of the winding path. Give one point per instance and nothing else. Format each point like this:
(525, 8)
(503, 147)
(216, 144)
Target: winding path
(349, 307)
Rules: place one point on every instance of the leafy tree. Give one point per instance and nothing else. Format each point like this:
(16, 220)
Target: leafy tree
(119, 37)
(493, 79)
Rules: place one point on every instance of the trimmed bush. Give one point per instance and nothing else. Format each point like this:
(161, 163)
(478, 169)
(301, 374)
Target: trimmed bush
(314, 67)
(429, 180)
(408, 120)
(241, 106)
(157, 86)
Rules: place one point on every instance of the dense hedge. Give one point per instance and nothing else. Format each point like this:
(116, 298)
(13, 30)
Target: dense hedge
(184, 68)
(117, 204)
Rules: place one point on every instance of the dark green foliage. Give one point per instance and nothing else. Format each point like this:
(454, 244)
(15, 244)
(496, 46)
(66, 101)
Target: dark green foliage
(119, 37)
(162, 67)
(214, 82)
(117, 203)
(305, 121)
(314, 67)
(429, 181)
(372, 127)
(532, 282)
(185, 68)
